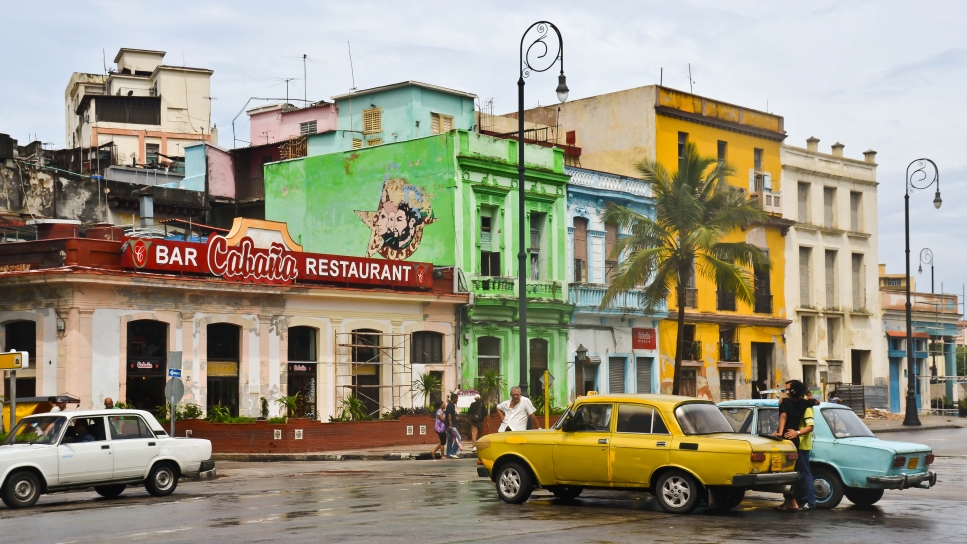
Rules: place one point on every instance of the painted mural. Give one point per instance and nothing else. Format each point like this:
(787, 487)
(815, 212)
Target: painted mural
(396, 227)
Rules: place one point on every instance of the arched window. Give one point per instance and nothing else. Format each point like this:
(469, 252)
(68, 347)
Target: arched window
(21, 336)
(427, 347)
(224, 346)
(538, 364)
(147, 359)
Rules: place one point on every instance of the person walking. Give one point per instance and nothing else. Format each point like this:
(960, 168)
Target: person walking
(478, 411)
(451, 423)
(515, 412)
(440, 427)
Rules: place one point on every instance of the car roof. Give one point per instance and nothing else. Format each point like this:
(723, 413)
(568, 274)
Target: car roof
(95, 413)
(666, 400)
(772, 403)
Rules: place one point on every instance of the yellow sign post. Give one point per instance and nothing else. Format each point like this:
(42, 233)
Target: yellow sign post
(547, 399)
(11, 361)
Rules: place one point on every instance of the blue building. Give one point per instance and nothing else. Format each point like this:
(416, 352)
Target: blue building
(622, 339)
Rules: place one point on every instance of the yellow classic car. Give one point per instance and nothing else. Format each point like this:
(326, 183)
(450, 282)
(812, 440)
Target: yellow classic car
(680, 449)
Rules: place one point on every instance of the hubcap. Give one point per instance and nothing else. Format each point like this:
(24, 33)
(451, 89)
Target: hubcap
(163, 479)
(23, 489)
(675, 491)
(509, 482)
(822, 489)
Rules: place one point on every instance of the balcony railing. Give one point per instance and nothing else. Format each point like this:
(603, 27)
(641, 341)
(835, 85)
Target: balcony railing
(691, 297)
(725, 301)
(763, 303)
(611, 182)
(729, 352)
(692, 350)
(590, 296)
(508, 287)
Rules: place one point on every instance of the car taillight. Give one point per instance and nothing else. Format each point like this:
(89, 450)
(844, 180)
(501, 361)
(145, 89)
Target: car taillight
(758, 457)
(899, 461)
(928, 460)
(792, 456)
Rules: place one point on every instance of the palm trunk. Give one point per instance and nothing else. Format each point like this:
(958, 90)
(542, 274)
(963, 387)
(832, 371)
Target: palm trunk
(680, 339)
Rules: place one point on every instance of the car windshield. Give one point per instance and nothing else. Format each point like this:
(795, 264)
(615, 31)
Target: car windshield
(739, 418)
(844, 423)
(701, 418)
(560, 421)
(36, 430)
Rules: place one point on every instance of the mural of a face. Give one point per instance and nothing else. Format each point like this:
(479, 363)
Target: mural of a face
(397, 224)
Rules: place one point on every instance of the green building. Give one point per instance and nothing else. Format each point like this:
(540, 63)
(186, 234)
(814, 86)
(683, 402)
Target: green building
(450, 199)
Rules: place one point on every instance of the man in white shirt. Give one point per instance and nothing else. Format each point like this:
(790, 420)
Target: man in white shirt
(514, 412)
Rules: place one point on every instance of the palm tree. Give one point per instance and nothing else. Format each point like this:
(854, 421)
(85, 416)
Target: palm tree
(695, 208)
(426, 384)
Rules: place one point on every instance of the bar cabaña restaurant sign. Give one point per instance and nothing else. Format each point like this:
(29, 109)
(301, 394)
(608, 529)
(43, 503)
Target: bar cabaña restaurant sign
(257, 251)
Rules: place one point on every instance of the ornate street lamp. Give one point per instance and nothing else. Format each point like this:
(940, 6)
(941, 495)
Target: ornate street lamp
(926, 257)
(912, 418)
(536, 52)
(580, 357)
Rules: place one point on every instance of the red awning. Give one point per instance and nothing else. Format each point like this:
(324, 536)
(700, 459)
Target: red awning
(903, 334)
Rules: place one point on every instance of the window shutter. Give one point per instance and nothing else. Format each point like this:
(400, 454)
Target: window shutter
(372, 121)
(751, 180)
(357, 144)
(616, 375)
(447, 123)
(374, 141)
(804, 277)
(828, 196)
(767, 181)
(831, 279)
(803, 203)
(643, 374)
(485, 240)
(435, 123)
(854, 212)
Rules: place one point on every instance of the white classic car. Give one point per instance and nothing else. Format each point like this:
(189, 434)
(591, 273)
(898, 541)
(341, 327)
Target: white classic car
(104, 449)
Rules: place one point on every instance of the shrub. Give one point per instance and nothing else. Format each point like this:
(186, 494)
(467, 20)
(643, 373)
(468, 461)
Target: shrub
(277, 420)
(264, 407)
(351, 409)
(289, 403)
(219, 414)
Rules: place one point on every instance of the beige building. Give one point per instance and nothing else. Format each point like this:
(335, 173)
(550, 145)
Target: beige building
(831, 256)
(146, 110)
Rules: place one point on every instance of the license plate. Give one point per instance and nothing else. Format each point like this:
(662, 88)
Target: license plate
(913, 462)
(777, 462)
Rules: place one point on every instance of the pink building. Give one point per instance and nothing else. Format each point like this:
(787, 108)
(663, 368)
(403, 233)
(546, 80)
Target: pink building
(277, 122)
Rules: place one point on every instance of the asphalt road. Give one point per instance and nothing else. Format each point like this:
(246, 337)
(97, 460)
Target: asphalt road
(444, 501)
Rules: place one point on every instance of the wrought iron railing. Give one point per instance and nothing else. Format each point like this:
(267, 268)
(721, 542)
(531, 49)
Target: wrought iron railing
(729, 352)
(763, 303)
(725, 301)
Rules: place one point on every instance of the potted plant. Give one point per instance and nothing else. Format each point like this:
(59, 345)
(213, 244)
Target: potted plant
(290, 403)
(962, 407)
(426, 384)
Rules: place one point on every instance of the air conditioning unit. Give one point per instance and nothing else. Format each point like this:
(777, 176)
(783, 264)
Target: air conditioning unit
(771, 202)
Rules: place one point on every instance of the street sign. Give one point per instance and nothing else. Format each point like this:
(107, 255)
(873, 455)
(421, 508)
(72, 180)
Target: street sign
(174, 359)
(174, 390)
(550, 380)
(174, 373)
(14, 360)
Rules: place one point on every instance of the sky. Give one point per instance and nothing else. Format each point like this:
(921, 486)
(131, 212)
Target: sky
(883, 75)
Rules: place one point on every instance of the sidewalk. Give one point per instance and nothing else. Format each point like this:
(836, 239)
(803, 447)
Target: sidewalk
(390, 453)
(928, 423)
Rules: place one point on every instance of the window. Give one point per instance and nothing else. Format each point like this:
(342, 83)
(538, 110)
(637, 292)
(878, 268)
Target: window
(723, 151)
(537, 257)
(829, 202)
(634, 418)
(831, 302)
(302, 344)
(688, 383)
(151, 152)
(757, 159)
(427, 347)
(595, 418)
(365, 344)
(844, 423)
(580, 249)
(610, 239)
(859, 290)
(309, 127)
(803, 203)
(128, 428)
(643, 371)
(488, 355)
(374, 141)
(538, 363)
(739, 418)
(727, 384)
(804, 299)
(808, 325)
(893, 282)
(682, 141)
(357, 143)
(724, 300)
(701, 418)
(855, 209)
(616, 374)
(223, 342)
(768, 421)
(489, 259)
(763, 290)
(440, 124)
(832, 338)
(85, 429)
(372, 121)
(134, 110)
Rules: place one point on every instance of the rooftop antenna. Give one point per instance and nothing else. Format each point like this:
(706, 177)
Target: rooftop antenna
(352, 74)
(661, 76)
(104, 60)
(285, 80)
(691, 81)
(266, 134)
(304, 58)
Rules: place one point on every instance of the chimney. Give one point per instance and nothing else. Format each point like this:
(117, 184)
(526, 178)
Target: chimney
(838, 149)
(812, 144)
(146, 210)
(870, 156)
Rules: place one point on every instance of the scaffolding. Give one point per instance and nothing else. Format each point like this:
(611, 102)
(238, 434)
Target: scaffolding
(367, 349)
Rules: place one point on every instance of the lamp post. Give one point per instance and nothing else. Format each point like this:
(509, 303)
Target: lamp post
(926, 257)
(580, 357)
(526, 67)
(912, 418)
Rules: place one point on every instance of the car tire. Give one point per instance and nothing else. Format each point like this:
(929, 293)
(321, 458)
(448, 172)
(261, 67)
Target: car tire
(828, 488)
(677, 492)
(21, 490)
(863, 496)
(566, 492)
(514, 483)
(110, 491)
(162, 480)
(728, 499)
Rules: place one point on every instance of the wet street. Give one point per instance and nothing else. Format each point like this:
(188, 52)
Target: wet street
(444, 501)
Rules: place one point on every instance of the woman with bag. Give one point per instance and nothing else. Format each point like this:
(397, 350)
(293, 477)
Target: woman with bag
(440, 426)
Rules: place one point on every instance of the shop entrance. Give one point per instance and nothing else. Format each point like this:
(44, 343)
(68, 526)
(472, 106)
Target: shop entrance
(21, 336)
(366, 366)
(763, 374)
(223, 362)
(145, 372)
(302, 369)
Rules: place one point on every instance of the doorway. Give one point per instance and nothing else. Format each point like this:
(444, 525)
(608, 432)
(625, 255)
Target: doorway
(859, 362)
(21, 336)
(223, 362)
(762, 367)
(147, 358)
(366, 366)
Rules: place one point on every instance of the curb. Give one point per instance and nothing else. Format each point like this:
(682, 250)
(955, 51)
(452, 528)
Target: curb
(270, 457)
(906, 429)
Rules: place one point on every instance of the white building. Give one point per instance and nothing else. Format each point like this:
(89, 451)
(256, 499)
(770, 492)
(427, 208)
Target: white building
(147, 110)
(831, 262)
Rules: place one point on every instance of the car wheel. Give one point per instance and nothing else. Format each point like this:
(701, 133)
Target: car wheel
(162, 480)
(728, 499)
(514, 483)
(677, 492)
(110, 491)
(862, 496)
(566, 492)
(828, 488)
(22, 489)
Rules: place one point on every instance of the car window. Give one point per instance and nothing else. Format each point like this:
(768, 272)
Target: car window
(593, 418)
(844, 423)
(128, 427)
(739, 418)
(701, 418)
(768, 421)
(84, 429)
(36, 430)
(635, 418)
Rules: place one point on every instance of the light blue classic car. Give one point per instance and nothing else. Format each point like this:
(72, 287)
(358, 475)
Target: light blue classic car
(846, 459)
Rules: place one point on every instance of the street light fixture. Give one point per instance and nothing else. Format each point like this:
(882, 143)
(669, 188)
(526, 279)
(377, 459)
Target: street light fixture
(538, 47)
(911, 417)
(926, 257)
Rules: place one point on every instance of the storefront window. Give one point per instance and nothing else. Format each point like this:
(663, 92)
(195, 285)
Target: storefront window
(21, 336)
(147, 359)
(224, 341)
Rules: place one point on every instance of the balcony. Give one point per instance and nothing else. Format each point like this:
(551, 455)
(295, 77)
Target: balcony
(725, 301)
(611, 182)
(507, 287)
(692, 350)
(729, 352)
(691, 297)
(763, 303)
(589, 296)
(771, 202)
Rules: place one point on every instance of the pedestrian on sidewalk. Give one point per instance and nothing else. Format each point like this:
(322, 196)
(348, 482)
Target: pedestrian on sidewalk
(440, 427)
(478, 411)
(451, 423)
(515, 412)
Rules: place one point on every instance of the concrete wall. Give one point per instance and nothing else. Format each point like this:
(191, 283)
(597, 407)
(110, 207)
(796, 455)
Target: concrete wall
(283, 122)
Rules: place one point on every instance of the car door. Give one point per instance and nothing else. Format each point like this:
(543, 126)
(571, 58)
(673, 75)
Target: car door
(581, 455)
(85, 461)
(639, 445)
(133, 443)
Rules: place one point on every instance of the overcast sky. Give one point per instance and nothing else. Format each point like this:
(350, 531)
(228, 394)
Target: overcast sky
(888, 76)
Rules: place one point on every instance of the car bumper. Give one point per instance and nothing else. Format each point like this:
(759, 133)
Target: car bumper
(482, 472)
(769, 478)
(904, 481)
(206, 466)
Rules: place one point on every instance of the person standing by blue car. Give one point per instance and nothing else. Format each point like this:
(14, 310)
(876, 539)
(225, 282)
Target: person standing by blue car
(796, 424)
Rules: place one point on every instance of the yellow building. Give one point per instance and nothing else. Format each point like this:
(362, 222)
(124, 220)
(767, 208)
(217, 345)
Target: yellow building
(731, 348)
